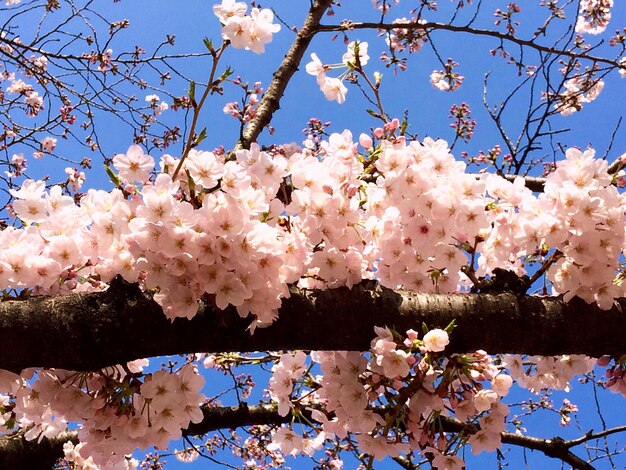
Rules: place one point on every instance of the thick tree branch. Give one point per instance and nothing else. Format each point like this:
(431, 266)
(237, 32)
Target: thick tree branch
(88, 331)
(270, 102)
(18, 453)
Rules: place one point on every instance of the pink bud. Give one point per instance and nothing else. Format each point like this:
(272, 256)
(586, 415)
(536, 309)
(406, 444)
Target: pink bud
(366, 141)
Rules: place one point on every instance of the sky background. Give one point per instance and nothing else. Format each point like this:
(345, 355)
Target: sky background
(191, 21)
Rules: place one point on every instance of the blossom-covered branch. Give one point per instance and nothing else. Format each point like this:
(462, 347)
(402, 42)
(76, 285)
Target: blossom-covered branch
(19, 453)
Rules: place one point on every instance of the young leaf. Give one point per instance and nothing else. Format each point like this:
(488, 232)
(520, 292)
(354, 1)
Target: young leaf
(192, 91)
(113, 176)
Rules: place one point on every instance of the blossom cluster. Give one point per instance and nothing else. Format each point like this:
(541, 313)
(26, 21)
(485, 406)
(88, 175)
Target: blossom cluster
(235, 229)
(411, 39)
(119, 409)
(583, 88)
(447, 79)
(250, 32)
(615, 374)
(155, 103)
(537, 373)
(250, 101)
(594, 16)
(411, 378)
(32, 101)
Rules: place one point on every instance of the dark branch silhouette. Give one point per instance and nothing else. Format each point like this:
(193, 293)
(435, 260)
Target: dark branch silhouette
(433, 26)
(16, 452)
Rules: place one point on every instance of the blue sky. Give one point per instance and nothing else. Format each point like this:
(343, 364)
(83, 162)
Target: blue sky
(428, 108)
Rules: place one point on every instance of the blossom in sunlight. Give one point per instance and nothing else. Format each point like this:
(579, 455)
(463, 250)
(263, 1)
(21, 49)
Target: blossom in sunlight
(594, 16)
(334, 89)
(350, 56)
(134, 165)
(251, 32)
(436, 340)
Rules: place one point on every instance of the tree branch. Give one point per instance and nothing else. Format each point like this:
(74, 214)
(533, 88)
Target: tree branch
(15, 451)
(88, 331)
(270, 102)
(433, 26)
(554, 448)
(534, 183)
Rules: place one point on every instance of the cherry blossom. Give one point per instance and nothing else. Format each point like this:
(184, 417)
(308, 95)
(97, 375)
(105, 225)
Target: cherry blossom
(134, 165)
(251, 32)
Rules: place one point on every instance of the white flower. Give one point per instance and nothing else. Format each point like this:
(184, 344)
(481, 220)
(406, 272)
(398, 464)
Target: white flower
(436, 340)
(350, 56)
(334, 89)
(315, 67)
(228, 9)
(437, 80)
(501, 384)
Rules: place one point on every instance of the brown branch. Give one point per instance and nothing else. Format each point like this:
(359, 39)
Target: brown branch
(270, 102)
(433, 26)
(590, 436)
(88, 331)
(85, 60)
(554, 448)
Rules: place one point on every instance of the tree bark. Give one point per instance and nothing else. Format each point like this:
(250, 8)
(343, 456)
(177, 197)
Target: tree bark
(88, 331)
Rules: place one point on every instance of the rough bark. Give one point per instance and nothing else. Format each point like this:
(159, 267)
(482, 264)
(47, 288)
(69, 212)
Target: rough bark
(88, 331)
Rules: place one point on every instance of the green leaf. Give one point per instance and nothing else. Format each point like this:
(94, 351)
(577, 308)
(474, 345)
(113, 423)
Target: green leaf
(225, 74)
(190, 181)
(450, 327)
(112, 176)
(404, 126)
(373, 113)
(192, 91)
(200, 137)
(209, 45)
